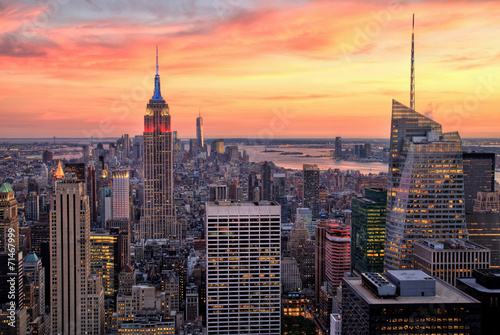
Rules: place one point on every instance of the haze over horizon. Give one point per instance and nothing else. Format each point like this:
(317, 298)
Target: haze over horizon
(283, 69)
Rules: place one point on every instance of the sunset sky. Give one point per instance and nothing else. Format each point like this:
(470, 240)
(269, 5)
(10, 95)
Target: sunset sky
(289, 68)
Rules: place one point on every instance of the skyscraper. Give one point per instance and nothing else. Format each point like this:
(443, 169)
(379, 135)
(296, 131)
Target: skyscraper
(243, 267)
(159, 219)
(368, 231)
(73, 291)
(199, 132)
(338, 147)
(479, 176)
(267, 180)
(311, 188)
(121, 195)
(425, 199)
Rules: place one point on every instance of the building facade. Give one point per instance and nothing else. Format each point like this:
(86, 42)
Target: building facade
(243, 268)
(121, 195)
(368, 231)
(73, 292)
(311, 188)
(406, 302)
(425, 199)
(159, 217)
(450, 259)
(479, 176)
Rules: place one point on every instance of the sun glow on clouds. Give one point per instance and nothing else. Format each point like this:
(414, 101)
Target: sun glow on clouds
(333, 66)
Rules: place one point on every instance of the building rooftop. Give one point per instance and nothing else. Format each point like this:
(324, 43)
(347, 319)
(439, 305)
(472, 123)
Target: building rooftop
(32, 258)
(5, 188)
(445, 293)
(451, 244)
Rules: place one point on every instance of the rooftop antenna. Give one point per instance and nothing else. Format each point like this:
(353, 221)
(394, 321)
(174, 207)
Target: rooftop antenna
(157, 59)
(412, 80)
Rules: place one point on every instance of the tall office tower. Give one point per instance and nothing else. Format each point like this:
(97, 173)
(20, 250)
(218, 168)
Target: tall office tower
(72, 308)
(125, 145)
(483, 230)
(338, 147)
(290, 275)
(254, 181)
(138, 147)
(311, 188)
(126, 279)
(450, 259)
(34, 270)
(77, 171)
(32, 207)
(86, 154)
(121, 195)
(48, 156)
(425, 199)
(368, 231)
(297, 239)
(319, 258)
(199, 132)
(337, 262)
(159, 219)
(279, 195)
(193, 147)
(103, 259)
(406, 302)
(485, 287)
(243, 267)
(479, 176)
(9, 220)
(267, 180)
(217, 147)
(92, 192)
(192, 307)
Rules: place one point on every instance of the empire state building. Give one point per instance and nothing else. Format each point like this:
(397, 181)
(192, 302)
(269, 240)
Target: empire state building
(158, 220)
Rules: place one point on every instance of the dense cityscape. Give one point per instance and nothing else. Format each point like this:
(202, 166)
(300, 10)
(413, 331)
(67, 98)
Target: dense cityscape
(159, 233)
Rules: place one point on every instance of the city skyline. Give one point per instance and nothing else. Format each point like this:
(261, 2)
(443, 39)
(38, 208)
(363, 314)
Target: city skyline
(267, 69)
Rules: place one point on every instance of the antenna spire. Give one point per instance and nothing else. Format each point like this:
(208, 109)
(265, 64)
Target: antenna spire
(199, 111)
(412, 79)
(157, 59)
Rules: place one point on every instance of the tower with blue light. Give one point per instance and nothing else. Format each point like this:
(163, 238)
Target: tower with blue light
(158, 220)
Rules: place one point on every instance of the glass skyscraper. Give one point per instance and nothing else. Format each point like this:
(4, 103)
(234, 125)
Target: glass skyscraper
(425, 199)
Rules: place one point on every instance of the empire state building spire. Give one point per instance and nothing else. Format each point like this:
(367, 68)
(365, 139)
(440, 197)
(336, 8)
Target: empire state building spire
(157, 94)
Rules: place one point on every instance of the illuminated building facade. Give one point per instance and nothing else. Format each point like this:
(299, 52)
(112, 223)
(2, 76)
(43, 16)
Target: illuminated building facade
(121, 195)
(450, 259)
(311, 189)
(217, 147)
(103, 262)
(243, 268)
(77, 298)
(337, 262)
(368, 231)
(425, 199)
(159, 218)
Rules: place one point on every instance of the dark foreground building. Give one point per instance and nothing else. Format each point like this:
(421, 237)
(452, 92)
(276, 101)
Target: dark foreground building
(406, 302)
(485, 287)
